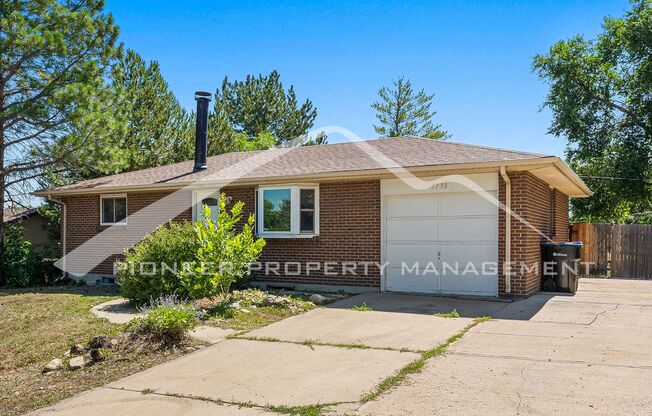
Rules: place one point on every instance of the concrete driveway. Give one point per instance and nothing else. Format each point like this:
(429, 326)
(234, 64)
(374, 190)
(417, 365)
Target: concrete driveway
(583, 354)
(588, 354)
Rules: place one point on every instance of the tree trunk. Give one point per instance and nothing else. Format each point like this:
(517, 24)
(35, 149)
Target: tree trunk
(3, 280)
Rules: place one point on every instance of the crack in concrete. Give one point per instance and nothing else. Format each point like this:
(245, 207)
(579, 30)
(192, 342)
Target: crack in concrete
(520, 397)
(252, 405)
(552, 360)
(595, 318)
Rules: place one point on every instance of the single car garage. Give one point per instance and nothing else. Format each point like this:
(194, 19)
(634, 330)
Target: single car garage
(441, 239)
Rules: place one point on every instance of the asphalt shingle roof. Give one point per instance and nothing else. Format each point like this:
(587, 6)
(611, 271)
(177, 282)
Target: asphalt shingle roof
(405, 152)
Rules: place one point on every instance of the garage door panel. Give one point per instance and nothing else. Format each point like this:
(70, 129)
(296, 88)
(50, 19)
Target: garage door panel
(402, 281)
(475, 253)
(468, 229)
(480, 285)
(412, 229)
(398, 253)
(411, 206)
(468, 203)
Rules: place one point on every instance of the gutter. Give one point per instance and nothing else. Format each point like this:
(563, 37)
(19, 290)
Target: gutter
(508, 230)
(64, 215)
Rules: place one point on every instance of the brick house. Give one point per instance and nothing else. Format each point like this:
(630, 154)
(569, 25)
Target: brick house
(355, 216)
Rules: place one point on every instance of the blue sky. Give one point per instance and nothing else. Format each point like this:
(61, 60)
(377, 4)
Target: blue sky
(476, 56)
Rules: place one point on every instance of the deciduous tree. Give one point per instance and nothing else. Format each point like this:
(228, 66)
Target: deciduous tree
(601, 100)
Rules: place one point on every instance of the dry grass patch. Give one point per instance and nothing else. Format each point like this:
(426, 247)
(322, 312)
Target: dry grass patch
(41, 324)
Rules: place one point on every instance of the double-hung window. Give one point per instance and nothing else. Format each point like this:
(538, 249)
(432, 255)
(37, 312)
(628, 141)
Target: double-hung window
(288, 211)
(113, 209)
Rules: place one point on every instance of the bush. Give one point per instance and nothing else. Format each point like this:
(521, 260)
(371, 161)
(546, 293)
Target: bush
(168, 318)
(223, 256)
(203, 259)
(21, 265)
(172, 244)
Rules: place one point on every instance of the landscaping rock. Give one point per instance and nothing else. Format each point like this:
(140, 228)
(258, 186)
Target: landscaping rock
(100, 341)
(273, 300)
(54, 365)
(77, 362)
(77, 349)
(318, 299)
(234, 305)
(97, 355)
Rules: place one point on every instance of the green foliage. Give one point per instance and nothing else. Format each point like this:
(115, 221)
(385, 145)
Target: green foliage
(362, 308)
(600, 97)
(172, 245)
(260, 104)
(51, 213)
(223, 255)
(158, 130)
(55, 55)
(20, 265)
(402, 112)
(170, 319)
(53, 95)
(191, 260)
(319, 139)
(452, 314)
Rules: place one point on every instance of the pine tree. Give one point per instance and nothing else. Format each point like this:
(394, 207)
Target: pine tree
(402, 112)
(53, 95)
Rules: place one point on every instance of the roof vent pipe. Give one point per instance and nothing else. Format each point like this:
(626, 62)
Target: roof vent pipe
(201, 130)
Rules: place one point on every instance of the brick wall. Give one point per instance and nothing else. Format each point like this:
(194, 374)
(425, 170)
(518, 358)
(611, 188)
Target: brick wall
(544, 209)
(349, 231)
(83, 220)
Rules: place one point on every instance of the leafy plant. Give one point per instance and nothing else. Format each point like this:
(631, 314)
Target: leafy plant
(223, 255)
(20, 265)
(362, 308)
(165, 250)
(167, 317)
(452, 314)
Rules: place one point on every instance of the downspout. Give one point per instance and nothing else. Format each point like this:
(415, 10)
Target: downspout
(63, 231)
(508, 230)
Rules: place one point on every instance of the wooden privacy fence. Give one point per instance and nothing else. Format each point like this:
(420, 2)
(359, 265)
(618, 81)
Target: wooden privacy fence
(615, 250)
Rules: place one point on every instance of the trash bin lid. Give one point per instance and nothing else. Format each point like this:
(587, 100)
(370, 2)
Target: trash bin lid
(563, 244)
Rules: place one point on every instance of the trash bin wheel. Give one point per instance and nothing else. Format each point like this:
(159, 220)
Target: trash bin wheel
(549, 285)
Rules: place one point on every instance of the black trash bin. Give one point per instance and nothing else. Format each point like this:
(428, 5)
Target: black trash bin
(561, 266)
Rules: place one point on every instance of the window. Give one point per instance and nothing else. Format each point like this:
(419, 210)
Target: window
(113, 209)
(288, 211)
(307, 210)
(209, 198)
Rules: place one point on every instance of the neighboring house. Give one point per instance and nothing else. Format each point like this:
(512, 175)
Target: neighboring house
(330, 213)
(35, 229)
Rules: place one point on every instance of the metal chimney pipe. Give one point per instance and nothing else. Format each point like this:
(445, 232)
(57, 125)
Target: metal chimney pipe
(201, 130)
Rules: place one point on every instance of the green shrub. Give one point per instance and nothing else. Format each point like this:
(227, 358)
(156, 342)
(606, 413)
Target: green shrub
(172, 245)
(223, 255)
(168, 318)
(21, 265)
(203, 259)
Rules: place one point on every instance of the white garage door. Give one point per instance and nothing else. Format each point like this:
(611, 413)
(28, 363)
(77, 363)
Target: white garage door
(441, 240)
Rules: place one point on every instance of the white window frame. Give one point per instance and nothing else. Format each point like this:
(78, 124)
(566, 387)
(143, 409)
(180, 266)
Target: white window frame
(295, 218)
(197, 197)
(113, 196)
